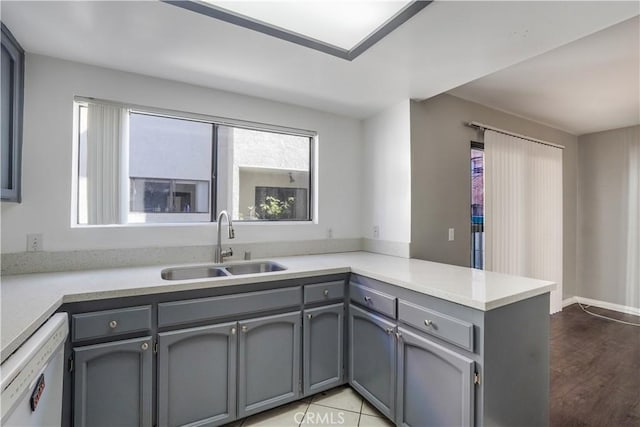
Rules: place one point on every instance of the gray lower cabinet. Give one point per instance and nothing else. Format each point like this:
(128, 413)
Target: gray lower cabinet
(372, 368)
(113, 384)
(269, 362)
(435, 384)
(197, 376)
(323, 335)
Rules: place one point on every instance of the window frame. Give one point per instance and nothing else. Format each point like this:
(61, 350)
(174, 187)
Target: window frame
(215, 121)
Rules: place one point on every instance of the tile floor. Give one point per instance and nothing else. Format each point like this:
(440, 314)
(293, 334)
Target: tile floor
(337, 407)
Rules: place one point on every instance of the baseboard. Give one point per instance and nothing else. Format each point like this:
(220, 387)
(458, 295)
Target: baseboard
(602, 304)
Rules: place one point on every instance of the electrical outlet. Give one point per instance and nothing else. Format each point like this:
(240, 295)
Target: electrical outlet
(34, 242)
(376, 231)
(451, 235)
(329, 233)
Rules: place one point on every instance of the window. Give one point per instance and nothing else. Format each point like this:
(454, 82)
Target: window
(264, 176)
(477, 205)
(142, 166)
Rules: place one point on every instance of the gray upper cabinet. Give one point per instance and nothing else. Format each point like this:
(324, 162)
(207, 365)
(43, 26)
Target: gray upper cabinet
(197, 376)
(113, 384)
(12, 100)
(323, 335)
(269, 362)
(435, 384)
(372, 349)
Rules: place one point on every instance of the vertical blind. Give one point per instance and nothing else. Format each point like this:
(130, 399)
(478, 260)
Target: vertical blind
(107, 163)
(523, 209)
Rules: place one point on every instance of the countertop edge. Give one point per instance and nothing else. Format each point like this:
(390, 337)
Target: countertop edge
(29, 330)
(67, 296)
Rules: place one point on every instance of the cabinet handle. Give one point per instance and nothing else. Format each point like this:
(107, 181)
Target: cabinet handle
(325, 292)
(233, 331)
(245, 328)
(398, 336)
(428, 323)
(113, 324)
(144, 346)
(367, 299)
(309, 316)
(389, 331)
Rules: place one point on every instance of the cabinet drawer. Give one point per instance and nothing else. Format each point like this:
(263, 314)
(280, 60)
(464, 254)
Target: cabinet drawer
(99, 324)
(320, 292)
(201, 309)
(373, 300)
(448, 328)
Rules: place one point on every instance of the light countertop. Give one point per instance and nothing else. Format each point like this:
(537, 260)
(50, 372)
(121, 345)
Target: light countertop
(28, 300)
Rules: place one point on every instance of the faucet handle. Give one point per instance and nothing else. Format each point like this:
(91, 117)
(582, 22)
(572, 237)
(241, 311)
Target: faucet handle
(232, 232)
(226, 253)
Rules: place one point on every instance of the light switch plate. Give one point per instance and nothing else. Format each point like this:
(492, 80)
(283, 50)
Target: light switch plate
(451, 234)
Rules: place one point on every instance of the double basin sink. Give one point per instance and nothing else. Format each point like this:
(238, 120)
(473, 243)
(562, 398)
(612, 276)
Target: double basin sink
(220, 270)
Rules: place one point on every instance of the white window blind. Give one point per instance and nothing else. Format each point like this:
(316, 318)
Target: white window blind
(523, 209)
(107, 155)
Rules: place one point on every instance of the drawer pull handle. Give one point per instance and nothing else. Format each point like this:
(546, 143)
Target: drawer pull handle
(144, 346)
(389, 331)
(325, 292)
(113, 324)
(428, 323)
(233, 331)
(367, 299)
(245, 328)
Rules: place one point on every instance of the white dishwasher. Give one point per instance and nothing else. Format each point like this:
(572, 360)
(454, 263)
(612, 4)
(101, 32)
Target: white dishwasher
(31, 382)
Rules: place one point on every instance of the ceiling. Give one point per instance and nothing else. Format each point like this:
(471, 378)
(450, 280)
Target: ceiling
(590, 85)
(444, 46)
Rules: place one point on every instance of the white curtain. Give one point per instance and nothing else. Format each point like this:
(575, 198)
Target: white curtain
(523, 209)
(633, 223)
(107, 164)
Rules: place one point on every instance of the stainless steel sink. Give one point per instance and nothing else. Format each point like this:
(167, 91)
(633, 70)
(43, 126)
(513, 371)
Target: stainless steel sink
(187, 273)
(220, 270)
(254, 267)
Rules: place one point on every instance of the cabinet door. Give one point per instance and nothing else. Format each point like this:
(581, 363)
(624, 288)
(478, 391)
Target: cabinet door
(435, 384)
(372, 359)
(269, 362)
(323, 336)
(113, 384)
(11, 106)
(197, 376)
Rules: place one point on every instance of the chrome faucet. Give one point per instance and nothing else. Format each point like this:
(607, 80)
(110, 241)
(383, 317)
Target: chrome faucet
(219, 254)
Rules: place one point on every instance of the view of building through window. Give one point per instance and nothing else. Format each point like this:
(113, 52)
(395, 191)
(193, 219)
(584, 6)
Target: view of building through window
(266, 175)
(141, 167)
(477, 206)
(169, 168)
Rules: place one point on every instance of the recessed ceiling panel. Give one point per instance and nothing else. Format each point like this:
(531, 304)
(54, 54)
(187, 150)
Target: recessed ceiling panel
(340, 28)
(343, 24)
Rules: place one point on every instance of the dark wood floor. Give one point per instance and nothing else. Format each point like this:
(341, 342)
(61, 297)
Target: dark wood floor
(595, 369)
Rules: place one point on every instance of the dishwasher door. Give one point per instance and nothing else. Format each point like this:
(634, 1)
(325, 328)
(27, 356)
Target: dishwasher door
(32, 378)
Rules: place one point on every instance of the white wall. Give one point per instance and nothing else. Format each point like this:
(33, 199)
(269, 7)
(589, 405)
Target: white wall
(608, 220)
(51, 84)
(387, 180)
